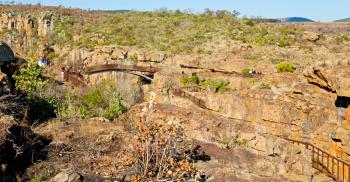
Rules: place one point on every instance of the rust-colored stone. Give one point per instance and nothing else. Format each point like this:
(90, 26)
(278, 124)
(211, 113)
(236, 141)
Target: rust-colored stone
(347, 114)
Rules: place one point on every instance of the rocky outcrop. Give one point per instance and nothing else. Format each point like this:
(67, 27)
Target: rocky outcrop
(42, 23)
(263, 158)
(317, 76)
(311, 36)
(334, 79)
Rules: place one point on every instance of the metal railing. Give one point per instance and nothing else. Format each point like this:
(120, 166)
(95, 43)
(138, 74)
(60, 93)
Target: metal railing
(328, 164)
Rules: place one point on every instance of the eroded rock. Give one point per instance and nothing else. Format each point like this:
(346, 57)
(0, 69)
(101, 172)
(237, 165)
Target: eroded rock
(311, 36)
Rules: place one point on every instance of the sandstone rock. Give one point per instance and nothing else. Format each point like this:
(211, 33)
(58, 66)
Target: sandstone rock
(317, 76)
(67, 176)
(311, 36)
(334, 79)
(347, 114)
(340, 77)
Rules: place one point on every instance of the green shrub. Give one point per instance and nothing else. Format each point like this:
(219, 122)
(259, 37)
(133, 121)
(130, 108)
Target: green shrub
(242, 142)
(248, 21)
(246, 71)
(283, 43)
(102, 100)
(285, 67)
(229, 142)
(254, 80)
(46, 175)
(265, 86)
(342, 38)
(218, 85)
(31, 79)
(193, 80)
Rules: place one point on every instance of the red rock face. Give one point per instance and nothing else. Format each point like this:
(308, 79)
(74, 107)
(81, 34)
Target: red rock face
(347, 114)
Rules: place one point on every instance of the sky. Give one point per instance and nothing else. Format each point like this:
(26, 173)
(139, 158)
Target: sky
(317, 10)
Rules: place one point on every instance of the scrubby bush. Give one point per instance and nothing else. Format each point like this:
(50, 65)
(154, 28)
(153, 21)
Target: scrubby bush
(276, 60)
(285, 67)
(217, 85)
(229, 142)
(254, 80)
(248, 21)
(265, 86)
(342, 38)
(188, 81)
(102, 100)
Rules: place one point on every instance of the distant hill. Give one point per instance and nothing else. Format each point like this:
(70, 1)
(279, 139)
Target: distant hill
(343, 20)
(296, 19)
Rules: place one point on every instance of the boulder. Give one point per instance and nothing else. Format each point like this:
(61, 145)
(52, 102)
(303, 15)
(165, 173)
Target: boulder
(67, 176)
(6, 53)
(311, 36)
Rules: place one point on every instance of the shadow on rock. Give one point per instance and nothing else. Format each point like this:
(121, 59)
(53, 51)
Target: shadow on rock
(19, 148)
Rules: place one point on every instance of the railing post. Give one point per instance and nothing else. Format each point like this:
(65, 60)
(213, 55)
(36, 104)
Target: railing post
(343, 172)
(313, 158)
(332, 165)
(327, 162)
(322, 157)
(337, 169)
(318, 156)
(349, 173)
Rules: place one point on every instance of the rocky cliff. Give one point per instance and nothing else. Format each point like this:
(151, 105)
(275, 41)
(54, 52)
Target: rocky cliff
(236, 101)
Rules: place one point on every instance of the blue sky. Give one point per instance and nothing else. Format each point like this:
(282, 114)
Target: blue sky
(318, 10)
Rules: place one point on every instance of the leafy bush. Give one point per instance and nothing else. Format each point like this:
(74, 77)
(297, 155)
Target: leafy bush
(102, 100)
(285, 67)
(31, 79)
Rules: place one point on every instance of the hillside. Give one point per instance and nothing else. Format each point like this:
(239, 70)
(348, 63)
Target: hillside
(296, 19)
(343, 20)
(171, 96)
